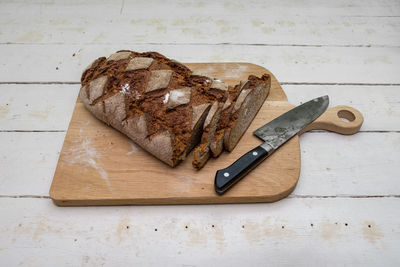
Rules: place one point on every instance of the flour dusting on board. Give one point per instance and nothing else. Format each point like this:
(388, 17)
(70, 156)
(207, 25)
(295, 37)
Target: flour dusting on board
(230, 71)
(134, 148)
(84, 153)
(233, 73)
(205, 71)
(185, 185)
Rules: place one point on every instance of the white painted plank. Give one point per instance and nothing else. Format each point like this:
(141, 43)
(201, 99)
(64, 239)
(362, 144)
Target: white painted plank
(361, 164)
(332, 164)
(269, 7)
(36, 107)
(28, 161)
(190, 25)
(24, 63)
(316, 232)
(303, 22)
(32, 107)
(302, 7)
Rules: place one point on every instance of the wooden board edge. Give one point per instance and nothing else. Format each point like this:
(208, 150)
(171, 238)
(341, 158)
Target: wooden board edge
(173, 201)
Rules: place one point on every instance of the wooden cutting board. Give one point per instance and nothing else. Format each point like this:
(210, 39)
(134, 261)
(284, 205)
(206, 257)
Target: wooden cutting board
(100, 166)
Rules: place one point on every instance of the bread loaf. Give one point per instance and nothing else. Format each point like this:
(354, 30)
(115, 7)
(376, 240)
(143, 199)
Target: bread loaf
(150, 98)
(166, 108)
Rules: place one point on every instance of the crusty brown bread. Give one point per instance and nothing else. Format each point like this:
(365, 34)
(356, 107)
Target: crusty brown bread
(152, 99)
(166, 108)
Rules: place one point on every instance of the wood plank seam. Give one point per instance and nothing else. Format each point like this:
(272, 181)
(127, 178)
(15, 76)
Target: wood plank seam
(282, 83)
(290, 196)
(344, 196)
(122, 7)
(32, 131)
(24, 196)
(205, 43)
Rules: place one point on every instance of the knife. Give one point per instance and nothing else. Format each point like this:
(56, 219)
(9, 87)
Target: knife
(274, 134)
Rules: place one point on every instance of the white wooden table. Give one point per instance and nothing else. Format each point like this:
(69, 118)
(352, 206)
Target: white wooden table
(345, 210)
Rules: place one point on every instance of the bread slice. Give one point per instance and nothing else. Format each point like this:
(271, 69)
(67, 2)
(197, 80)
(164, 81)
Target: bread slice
(217, 143)
(217, 92)
(253, 93)
(241, 100)
(155, 101)
(202, 153)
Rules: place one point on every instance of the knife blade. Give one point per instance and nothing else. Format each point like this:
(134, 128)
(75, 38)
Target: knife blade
(274, 134)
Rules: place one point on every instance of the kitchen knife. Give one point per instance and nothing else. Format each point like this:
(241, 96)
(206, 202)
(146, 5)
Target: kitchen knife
(274, 134)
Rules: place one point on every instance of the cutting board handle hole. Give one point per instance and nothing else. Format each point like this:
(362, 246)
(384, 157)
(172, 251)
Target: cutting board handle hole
(346, 116)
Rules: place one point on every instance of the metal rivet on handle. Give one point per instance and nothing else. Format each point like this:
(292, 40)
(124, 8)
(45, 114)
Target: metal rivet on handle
(226, 174)
(255, 153)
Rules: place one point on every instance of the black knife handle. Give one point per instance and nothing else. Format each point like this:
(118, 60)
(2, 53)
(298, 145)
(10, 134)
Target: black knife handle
(227, 177)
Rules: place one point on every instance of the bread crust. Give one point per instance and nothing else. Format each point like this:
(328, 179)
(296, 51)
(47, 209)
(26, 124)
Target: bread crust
(168, 110)
(153, 100)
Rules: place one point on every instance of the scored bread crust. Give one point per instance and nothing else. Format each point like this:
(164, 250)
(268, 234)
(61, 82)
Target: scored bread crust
(166, 108)
(155, 101)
